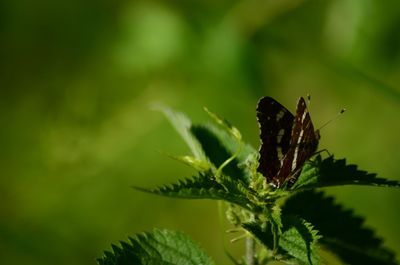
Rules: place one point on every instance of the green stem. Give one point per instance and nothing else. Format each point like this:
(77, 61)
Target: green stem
(226, 162)
(250, 248)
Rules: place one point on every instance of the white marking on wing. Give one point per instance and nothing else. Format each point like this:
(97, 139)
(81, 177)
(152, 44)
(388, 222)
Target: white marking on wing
(294, 158)
(279, 149)
(280, 135)
(294, 164)
(280, 115)
(304, 116)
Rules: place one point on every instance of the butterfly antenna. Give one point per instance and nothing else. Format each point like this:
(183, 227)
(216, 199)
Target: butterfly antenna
(308, 101)
(335, 118)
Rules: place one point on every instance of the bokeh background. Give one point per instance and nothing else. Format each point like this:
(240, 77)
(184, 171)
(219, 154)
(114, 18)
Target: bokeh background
(78, 77)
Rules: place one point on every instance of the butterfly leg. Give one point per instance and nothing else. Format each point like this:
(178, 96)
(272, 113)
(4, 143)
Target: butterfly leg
(321, 151)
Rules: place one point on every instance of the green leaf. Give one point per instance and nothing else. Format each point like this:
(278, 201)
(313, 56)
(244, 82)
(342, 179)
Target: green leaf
(182, 125)
(332, 172)
(342, 232)
(201, 187)
(299, 240)
(232, 130)
(231, 144)
(219, 146)
(276, 223)
(197, 164)
(159, 247)
(262, 232)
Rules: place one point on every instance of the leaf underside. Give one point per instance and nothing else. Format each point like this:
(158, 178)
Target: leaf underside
(219, 146)
(159, 247)
(182, 125)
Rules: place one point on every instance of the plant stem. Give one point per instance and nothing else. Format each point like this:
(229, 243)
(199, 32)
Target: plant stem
(250, 247)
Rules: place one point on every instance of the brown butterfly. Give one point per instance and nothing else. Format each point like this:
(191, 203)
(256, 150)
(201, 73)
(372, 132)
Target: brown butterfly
(287, 141)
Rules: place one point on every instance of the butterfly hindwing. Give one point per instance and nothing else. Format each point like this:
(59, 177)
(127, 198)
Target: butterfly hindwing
(303, 144)
(276, 124)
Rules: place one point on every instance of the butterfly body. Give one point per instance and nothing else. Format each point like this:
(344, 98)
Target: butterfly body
(287, 141)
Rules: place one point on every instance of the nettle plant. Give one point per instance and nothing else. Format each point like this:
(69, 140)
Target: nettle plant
(273, 197)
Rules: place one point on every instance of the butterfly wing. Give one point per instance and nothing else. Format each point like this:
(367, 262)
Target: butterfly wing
(303, 144)
(276, 124)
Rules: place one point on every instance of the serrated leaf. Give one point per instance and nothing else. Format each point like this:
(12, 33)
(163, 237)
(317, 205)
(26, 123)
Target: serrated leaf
(159, 247)
(332, 172)
(219, 146)
(182, 125)
(201, 187)
(263, 233)
(299, 240)
(342, 232)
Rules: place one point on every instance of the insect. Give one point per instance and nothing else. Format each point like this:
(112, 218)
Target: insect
(287, 141)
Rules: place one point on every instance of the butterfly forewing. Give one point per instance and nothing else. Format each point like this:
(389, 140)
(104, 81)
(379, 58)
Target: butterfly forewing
(276, 124)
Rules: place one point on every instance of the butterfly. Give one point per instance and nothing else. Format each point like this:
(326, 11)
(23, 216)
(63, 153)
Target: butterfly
(287, 141)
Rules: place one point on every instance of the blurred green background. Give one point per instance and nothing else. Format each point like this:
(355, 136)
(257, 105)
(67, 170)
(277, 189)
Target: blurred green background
(77, 79)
